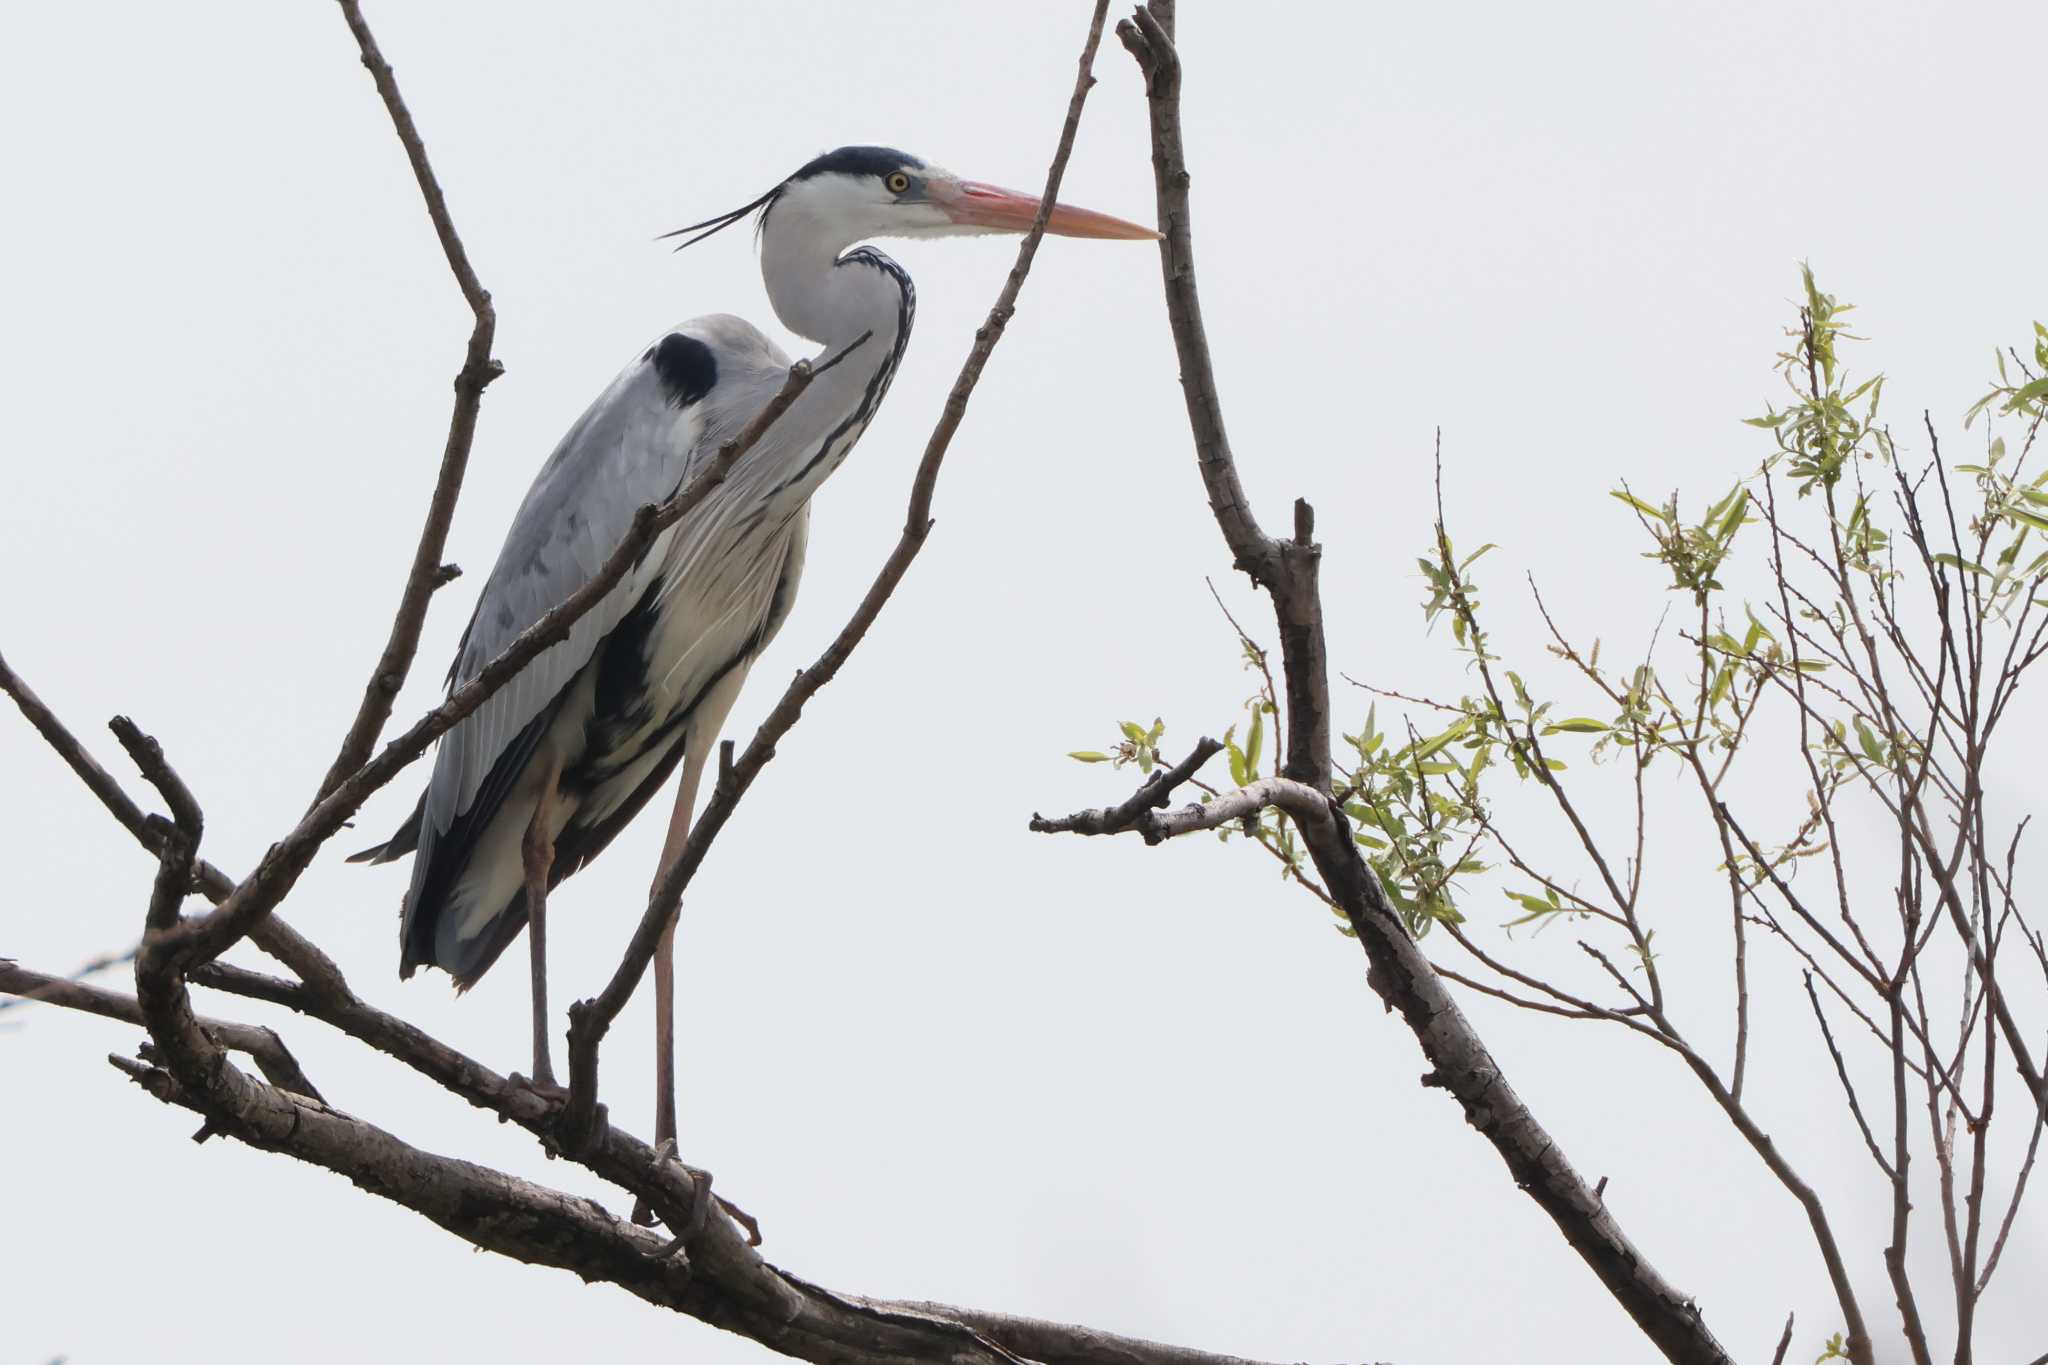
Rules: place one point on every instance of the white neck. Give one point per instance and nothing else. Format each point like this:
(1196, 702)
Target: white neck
(815, 295)
(836, 303)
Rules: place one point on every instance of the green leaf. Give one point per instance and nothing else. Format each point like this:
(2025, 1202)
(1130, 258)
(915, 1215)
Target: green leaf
(1089, 756)
(1955, 562)
(1722, 681)
(2027, 394)
(2026, 518)
(1254, 744)
(1578, 725)
(1430, 746)
(1867, 741)
(1466, 562)
(1654, 513)
(1133, 732)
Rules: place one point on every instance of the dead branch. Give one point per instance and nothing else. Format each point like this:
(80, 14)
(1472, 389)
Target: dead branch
(478, 370)
(262, 1045)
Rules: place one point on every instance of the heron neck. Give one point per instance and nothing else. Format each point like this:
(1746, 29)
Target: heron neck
(860, 300)
(832, 299)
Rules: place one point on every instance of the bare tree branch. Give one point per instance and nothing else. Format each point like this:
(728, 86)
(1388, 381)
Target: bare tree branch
(1842, 1074)
(1304, 803)
(478, 370)
(1784, 1343)
(263, 1045)
(1399, 972)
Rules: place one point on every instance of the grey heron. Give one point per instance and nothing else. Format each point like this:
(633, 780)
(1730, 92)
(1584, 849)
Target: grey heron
(546, 773)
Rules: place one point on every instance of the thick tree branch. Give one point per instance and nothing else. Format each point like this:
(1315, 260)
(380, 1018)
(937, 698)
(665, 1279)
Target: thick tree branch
(1304, 803)
(1152, 796)
(723, 1281)
(1286, 568)
(1399, 973)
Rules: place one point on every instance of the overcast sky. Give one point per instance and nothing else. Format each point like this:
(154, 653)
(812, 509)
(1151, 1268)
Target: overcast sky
(938, 1056)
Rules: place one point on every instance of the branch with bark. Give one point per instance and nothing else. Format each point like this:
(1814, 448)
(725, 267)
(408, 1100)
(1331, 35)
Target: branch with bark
(1287, 569)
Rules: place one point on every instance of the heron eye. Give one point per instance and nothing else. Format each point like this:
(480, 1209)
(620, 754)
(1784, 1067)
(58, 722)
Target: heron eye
(897, 182)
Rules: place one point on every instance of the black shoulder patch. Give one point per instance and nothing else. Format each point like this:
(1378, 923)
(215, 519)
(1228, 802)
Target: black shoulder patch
(686, 366)
(875, 161)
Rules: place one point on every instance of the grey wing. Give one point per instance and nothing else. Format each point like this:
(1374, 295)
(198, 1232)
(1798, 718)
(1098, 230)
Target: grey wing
(635, 445)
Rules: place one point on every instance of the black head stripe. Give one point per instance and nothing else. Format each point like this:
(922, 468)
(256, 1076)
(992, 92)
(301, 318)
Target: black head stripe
(875, 161)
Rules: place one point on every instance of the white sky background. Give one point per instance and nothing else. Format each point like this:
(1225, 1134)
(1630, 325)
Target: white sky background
(939, 1056)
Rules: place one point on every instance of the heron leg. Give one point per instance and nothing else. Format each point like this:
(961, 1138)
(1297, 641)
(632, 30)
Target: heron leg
(665, 968)
(538, 850)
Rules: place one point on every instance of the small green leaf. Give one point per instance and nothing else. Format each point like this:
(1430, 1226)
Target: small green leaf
(2027, 394)
(1654, 513)
(1237, 769)
(1089, 756)
(1254, 744)
(1578, 725)
(1954, 562)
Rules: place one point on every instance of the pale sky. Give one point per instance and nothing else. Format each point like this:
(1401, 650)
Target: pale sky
(939, 1056)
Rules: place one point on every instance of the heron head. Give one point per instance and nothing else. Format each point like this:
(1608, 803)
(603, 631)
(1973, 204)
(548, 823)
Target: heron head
(856, 193)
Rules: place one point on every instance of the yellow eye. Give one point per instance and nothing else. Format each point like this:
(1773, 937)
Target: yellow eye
(897, 182)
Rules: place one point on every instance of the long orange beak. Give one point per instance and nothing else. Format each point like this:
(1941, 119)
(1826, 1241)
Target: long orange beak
(973, 204)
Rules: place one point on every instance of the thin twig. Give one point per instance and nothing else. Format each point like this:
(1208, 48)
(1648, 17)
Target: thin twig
(1842, 1072)
(261, 1044)
(478, 370)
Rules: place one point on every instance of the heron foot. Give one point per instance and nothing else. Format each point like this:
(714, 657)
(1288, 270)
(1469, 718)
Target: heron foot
(544, 1086)
(693, 1214)
(698, 1213)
